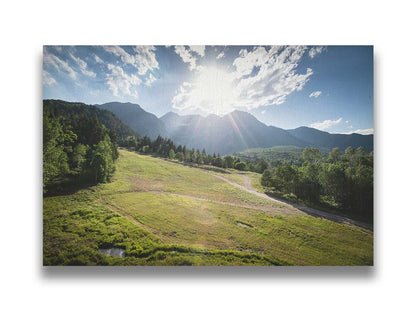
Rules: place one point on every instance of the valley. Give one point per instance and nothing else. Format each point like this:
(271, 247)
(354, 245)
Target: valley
(162, 212)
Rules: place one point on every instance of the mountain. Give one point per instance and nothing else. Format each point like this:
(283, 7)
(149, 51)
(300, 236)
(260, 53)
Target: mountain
(233, 132)
(239, 131)
(324, 139)
(146, 124)
(108, 119)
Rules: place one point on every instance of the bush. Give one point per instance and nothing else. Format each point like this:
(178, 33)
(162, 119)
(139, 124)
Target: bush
(241, 166)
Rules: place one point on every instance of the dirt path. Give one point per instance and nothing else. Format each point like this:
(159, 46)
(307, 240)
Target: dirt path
(282, 210)
(310, 211)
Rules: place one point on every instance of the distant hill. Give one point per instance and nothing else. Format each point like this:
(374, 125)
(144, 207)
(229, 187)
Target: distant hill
(233, 132)
(137, 118)
(319, 138)
(107, 118)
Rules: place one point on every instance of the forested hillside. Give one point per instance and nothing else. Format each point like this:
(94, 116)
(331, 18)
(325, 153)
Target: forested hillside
(71, 110)
(77, 149)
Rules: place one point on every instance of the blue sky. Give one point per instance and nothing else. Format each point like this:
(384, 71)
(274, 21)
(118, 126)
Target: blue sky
(326, 87)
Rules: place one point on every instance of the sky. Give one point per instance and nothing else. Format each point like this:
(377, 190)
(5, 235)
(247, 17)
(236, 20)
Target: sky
(329, 88)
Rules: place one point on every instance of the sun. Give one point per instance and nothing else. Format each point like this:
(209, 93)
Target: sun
(214, 90)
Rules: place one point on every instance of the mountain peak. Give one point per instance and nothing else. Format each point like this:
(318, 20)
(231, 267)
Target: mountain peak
(168, 114)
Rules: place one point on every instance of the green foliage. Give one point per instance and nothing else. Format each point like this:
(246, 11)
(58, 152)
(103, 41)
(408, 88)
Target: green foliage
(76, 149)
(69, 111)
(343, 181)
(286, 177)
(55, 160)
(266, 178)
(171, 154)
(102, 162)
(78, 158)
(274, 155)
(241, 166)
(311, 154)
(179, 156)
(229, 161)
(335, 155)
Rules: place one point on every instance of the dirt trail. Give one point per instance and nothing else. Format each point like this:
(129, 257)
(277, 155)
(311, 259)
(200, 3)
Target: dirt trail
(283, 210)
(310, 211)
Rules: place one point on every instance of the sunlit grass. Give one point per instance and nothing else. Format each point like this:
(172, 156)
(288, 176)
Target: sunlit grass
(164, 213)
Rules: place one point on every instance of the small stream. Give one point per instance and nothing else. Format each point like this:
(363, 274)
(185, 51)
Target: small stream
(115, 252)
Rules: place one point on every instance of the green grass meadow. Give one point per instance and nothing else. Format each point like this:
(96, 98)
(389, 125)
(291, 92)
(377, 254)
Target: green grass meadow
(166, 213)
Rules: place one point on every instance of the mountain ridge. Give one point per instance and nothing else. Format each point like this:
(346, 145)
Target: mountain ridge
(233, 132)
(141, 121)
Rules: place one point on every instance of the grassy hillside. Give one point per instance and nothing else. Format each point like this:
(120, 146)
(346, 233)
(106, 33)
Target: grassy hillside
(165, 213)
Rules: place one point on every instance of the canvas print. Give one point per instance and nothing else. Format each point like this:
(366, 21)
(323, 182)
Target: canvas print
(208, 155)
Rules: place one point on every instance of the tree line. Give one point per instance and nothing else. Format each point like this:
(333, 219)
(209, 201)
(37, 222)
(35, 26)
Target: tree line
(164, 147)
(341, 180)
(76, 149)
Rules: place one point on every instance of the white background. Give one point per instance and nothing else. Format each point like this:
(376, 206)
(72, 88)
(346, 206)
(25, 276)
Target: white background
(27, 25)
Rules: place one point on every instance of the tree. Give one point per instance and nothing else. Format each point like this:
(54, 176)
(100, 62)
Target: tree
(261, 165)
(78, 159)
(228, 161)
(240, 166)
(266, 178)
(334, 182)
(286, 178)
(309, 185)
(146, 149)
(217, 161)
(102, 164)
(55, 160)
(179, 156)
(171, 154)
(311, 154)
(335, 155)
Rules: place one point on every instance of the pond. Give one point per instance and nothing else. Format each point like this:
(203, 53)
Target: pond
(115, 252)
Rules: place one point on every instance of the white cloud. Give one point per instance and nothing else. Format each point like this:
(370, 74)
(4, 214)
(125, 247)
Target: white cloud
(58, 64)
(143, 59)
(82, 66)
(186, 56)
(263, 112)
(198, 49)
(268, 77)
(315, 51)
(315, 94)
(191, 54)
(120, 52)
(120, 82)
(98, 59)
(326, 124)
(181, 99)
(362, 131)
(260, 77)
(221, 55)
(48, 79)
(150, 80)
